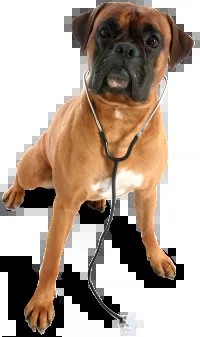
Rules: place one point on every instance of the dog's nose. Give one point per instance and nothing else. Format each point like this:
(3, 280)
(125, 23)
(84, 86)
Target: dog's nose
(127, 49)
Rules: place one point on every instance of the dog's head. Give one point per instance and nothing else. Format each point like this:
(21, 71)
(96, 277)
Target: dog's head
(129, 47)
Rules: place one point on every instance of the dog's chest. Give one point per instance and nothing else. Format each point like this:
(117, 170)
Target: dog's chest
(126, 180)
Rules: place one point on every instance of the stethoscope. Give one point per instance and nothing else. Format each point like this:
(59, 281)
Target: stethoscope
(126, 323)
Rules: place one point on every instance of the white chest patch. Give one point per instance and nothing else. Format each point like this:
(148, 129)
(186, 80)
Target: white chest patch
(118, 114)
(126, 180)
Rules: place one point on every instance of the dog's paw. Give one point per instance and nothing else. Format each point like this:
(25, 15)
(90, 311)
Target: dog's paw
(39, 312)
(161, 263)
(13, 197)
(99, 205)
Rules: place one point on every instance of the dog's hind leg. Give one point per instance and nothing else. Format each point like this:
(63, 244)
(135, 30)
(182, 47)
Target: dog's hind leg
(98, 205)
(14, 196)
(32, 172)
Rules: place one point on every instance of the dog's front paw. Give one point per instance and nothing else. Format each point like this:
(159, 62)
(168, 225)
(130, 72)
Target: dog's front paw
(39, 312)
(161, 263)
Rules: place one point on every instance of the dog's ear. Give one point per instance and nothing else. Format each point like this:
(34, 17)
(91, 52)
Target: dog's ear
(82, 25)
(181, 44)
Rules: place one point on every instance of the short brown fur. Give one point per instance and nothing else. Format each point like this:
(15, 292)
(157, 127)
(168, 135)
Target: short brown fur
(70, 157)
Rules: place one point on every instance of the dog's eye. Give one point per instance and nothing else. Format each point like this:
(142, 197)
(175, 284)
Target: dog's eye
(152, 41)
(105, 33)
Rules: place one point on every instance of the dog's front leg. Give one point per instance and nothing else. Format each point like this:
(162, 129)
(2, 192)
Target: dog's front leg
(145, 202)
(39, 312)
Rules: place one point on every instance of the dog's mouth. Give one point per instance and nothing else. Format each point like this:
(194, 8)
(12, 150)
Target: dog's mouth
(118, 78)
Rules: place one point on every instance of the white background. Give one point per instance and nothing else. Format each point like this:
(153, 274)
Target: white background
(38, 67)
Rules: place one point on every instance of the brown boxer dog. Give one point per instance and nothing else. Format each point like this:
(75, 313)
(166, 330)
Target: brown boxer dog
(128, 49)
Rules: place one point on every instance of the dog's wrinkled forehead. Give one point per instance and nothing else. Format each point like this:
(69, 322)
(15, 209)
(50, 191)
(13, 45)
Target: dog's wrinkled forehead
(131, 18)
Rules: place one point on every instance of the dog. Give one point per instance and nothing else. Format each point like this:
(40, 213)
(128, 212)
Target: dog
(128, 50)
